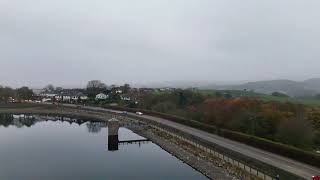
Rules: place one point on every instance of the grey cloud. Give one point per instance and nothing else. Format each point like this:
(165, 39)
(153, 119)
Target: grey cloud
(68, 42)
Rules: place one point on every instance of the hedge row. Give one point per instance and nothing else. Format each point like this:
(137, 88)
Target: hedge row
(271, 146)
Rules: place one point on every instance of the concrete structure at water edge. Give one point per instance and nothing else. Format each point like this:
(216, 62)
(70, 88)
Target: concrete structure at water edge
(113, 135)
(113, 138)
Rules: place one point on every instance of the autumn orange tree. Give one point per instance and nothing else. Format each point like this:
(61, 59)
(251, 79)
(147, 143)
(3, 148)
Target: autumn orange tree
(272, 120)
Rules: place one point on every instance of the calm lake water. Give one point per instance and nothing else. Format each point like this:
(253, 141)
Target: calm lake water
(41, 149)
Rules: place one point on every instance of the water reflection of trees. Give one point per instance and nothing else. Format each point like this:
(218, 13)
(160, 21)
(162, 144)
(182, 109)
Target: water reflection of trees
(95, 127)
(9, 119)
(6, 120)
(30, 120)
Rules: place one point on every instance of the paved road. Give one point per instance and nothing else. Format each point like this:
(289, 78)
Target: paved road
(300, 169)
(295, 167)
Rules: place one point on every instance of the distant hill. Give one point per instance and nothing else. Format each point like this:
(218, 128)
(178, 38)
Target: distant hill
(177, 84)
(308, 87)
(312, 84)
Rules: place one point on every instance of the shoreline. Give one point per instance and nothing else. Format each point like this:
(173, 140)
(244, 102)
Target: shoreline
(212, 168)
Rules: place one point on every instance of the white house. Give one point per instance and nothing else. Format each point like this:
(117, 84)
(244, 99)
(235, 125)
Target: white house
(62, 97)
(58, 97)
(74, 97)
(119, 91)
(101, 96)
(80, 96)
(66, 97)
(83, 97)
(46, 99)
(69, 97)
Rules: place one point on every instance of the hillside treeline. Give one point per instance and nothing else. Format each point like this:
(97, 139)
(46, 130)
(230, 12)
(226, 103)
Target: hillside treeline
(288, 123)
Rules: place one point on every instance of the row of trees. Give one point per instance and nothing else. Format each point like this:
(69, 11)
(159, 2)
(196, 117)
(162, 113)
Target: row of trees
(287, 123)
(22, 93)
(7, 120)
(284, 122)
(95, 87)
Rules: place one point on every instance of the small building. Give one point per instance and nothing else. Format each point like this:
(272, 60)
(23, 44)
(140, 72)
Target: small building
(46, 100)
(101, 96)
(58, 97)
(125, 98)
(83, 97)
(74, 97)
(70, 96)
(119, 91)
(66, 97)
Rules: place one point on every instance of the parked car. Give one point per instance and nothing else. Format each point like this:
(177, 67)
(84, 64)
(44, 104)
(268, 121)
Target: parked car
(124, 113)
(315, 177)
(139, 113)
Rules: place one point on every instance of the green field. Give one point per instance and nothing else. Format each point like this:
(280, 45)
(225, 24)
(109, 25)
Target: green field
(264, 97)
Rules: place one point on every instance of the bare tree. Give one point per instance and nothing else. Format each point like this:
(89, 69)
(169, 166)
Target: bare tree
(49, 88)
(96, 84)
(95, 87)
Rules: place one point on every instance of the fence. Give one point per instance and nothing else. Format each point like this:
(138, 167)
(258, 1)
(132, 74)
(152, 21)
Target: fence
(223, 157)
(241, 165)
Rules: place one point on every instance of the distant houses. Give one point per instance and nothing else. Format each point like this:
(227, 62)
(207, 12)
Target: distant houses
(61, 97)
(74, 97)
(48, 95)
(111, 95)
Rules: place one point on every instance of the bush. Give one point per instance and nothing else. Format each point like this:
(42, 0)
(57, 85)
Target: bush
(164, 107)
(297, 132)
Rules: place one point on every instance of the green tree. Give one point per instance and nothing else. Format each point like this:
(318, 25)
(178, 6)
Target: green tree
(297, 132)
(164, 107)
(6, 93)
(184, 97)
(24, 93)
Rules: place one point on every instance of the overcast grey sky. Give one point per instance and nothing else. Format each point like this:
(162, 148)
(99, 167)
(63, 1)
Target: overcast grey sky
(68, 42)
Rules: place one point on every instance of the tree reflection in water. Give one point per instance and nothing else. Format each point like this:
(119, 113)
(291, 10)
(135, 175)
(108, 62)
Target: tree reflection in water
(95, 127)
(22, 120)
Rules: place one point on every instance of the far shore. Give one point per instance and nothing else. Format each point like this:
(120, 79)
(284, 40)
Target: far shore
(56, 110)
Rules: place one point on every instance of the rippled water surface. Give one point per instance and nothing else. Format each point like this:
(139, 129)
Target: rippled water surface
(40, 149)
